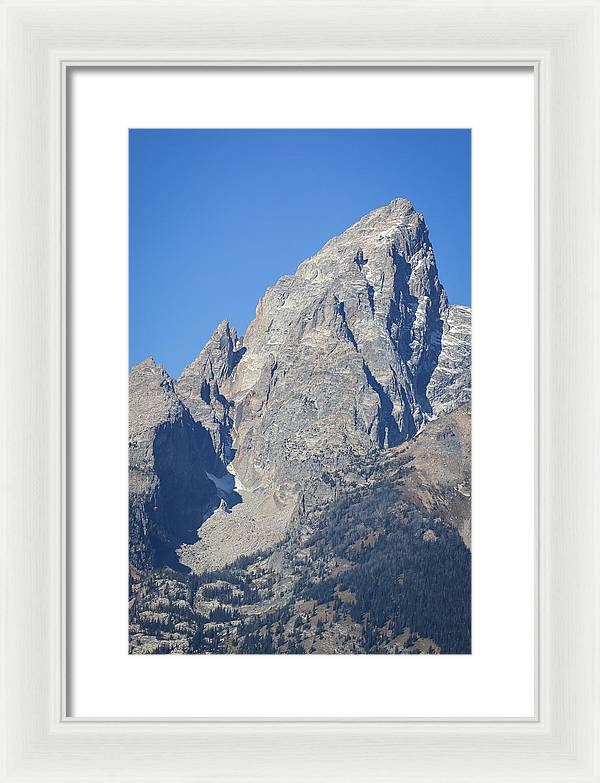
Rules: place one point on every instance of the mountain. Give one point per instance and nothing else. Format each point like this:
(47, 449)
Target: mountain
(339, 355)
(352, 359)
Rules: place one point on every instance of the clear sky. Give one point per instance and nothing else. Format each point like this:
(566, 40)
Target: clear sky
(217, 216)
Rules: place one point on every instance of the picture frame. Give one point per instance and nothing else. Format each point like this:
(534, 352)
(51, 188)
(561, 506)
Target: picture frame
(41, 41)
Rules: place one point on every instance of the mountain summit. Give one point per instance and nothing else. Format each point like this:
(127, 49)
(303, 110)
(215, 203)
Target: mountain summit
(339, 357)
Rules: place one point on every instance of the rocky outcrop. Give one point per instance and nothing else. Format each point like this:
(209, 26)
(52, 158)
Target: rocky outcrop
(169, 454)
(200, 386)
(436, 471)
(450, 383)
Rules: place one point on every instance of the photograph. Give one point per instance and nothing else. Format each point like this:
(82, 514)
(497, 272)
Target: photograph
(300, 391)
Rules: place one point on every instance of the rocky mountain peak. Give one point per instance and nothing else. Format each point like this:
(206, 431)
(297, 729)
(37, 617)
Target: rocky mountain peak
(201, 384)
(399, 212)
(389, 224)
(343, 350)
(217, 359)
(152, 396)
(353, 353)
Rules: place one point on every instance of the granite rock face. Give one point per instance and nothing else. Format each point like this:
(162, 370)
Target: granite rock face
(352, 354)
(201, 383)
(450, 383)
(169, 454)
(339, 357)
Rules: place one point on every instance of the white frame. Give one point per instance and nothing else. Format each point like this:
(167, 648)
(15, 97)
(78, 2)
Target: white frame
(41, 40)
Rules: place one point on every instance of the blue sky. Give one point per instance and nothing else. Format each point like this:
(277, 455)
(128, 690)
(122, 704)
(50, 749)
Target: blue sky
(216, 216)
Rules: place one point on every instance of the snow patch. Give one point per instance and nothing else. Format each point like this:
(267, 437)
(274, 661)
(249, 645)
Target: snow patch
(225, 483)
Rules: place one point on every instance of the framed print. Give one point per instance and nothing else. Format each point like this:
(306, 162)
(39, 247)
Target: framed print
(300, 365)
